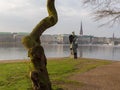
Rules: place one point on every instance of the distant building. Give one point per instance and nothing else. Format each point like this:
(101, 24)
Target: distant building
(46, 39)
(49, 39)
(63, 39)
(85, 39)
(15, 39)
(80, 38)
(113, 40)
(60, 39)
(81, 30)
(6, 37)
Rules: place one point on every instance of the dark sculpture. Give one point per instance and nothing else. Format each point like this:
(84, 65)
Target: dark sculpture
(73, 44)
(39, 74)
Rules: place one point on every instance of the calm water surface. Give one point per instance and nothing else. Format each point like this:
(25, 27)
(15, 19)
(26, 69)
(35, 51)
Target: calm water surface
(98, 52)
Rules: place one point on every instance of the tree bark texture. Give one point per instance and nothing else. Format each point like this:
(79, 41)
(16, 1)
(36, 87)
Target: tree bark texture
(39, 74)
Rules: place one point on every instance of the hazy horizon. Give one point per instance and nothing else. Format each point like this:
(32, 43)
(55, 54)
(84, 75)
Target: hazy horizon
(23, 15)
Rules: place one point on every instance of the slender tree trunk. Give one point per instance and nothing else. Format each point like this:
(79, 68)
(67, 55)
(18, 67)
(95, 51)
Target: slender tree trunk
(39, 74)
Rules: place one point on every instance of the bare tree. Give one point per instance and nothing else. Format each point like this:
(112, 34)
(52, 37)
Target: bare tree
(39, 75)
(103, 9)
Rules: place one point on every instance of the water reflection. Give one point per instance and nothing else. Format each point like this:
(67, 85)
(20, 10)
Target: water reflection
(80, 52)
(99, 52)
(8, 53)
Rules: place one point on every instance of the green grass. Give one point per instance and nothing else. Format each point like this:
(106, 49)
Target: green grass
(14, 76)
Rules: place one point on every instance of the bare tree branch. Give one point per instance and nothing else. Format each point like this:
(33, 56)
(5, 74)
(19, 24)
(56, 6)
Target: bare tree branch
(103, 9)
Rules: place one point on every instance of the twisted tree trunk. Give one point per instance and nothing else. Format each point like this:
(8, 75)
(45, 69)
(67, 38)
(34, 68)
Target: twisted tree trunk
(39, 74)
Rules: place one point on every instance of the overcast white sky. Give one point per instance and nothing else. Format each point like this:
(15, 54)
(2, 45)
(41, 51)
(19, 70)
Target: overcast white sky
(23, 15)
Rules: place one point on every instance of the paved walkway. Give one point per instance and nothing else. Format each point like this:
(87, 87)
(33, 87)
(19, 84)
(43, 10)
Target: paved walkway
(102, 78)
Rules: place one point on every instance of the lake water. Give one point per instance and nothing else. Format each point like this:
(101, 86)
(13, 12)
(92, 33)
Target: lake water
(98, 52)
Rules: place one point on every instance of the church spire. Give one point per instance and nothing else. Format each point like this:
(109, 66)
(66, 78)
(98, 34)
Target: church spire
(81, 30)
(113, 37)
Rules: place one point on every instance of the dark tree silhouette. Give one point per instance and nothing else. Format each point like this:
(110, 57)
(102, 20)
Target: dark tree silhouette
(39, 74)
(105, 9)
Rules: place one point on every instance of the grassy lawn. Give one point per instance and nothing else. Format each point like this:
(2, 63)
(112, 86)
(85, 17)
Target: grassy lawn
(14, 76)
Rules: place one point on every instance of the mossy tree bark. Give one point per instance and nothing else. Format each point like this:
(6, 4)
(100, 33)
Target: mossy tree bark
(39, 74)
